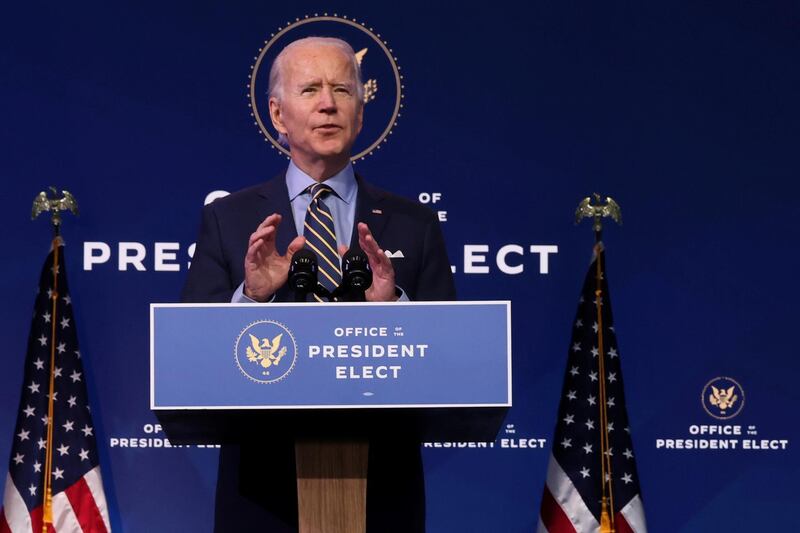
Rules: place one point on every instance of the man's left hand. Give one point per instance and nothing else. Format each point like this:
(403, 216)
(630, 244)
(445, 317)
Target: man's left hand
(383, 287)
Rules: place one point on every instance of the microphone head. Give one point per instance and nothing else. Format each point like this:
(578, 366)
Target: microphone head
(303, 271)
(356, 273)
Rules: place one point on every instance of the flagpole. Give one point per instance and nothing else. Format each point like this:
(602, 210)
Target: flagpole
(607, 503)
(597, 211)
(48, 461)
(53, 204)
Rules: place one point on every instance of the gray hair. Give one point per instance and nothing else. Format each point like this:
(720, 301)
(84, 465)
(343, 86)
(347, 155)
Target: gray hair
(276, 71)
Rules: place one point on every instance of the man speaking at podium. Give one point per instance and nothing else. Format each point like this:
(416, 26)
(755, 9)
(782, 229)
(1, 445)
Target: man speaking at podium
(244, 251)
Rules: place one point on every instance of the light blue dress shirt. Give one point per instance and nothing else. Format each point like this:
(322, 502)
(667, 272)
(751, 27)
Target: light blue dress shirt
(342, 204)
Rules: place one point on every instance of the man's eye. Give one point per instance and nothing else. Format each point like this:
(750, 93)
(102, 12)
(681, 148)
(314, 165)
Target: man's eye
(308, 90)
(343, 90)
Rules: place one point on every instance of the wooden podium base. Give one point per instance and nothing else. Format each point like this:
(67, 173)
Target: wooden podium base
(332, 486)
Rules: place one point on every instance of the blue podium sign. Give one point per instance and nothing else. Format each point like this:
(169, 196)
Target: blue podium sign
(318, 356)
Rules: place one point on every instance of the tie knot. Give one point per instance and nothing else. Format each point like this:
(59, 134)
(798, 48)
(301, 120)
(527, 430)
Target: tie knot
(319, 190)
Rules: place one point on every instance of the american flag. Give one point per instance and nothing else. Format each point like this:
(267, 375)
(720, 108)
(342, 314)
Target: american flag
(574, 490)
(78, 501)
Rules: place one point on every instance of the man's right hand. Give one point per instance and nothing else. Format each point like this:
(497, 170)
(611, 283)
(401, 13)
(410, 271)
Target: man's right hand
(265, 270)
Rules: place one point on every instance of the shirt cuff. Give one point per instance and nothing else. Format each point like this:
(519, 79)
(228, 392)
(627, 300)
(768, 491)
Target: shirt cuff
(401, 294)
(239, 297)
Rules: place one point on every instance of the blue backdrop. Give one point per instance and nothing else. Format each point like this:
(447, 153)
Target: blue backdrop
(686, 113)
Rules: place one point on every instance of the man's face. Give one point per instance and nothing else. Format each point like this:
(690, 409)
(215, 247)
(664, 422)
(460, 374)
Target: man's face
(319, 111)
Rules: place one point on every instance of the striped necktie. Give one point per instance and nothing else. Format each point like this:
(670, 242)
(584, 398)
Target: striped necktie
(320, 236)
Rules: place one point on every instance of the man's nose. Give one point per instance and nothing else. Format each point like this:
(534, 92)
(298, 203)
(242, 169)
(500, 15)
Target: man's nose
(327, 102)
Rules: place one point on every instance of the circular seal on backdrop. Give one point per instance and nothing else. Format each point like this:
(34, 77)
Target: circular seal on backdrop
(265, 351)
(722, 398)
(383, 85)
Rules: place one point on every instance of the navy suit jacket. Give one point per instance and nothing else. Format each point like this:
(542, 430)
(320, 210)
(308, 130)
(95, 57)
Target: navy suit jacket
(254, 495)
(397, 224)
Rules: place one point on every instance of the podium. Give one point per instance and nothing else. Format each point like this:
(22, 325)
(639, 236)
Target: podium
(331, 376)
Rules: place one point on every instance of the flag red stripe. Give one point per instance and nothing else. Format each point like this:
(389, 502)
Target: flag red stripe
(621, 525)
(85, 508)
(37, 519)
(3, 523)
(553, 516)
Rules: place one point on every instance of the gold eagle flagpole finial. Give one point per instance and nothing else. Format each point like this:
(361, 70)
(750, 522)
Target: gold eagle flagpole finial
(598, 211)
(53, 204)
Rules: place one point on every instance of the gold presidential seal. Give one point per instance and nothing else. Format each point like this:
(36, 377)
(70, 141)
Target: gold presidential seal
(383, 84)
(722, 398)
(265, 351)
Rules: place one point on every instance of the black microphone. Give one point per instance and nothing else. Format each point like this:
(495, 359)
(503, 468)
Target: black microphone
(303, 273)
(356, 275)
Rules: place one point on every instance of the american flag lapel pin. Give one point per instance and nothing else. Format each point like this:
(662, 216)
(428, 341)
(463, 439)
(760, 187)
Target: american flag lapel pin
(377, 211)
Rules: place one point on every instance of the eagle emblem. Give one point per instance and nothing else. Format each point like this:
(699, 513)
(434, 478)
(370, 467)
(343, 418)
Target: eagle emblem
(722, 398)
(371, 85)
(265, 352)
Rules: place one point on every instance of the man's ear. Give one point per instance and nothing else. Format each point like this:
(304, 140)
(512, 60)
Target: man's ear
(275, 115)
(359, 118)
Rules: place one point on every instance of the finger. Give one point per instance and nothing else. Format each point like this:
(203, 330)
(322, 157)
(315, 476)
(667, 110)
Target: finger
(380, 264)
(253, 255)
(295, 246)
(342, 250)
(267, 234)
(367, 241)
(272, 220)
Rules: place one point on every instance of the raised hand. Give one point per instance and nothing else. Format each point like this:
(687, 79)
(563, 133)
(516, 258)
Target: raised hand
(265, 270)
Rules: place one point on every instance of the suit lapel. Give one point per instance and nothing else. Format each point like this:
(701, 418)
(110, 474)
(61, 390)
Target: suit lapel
(369, 210)
(276, 197)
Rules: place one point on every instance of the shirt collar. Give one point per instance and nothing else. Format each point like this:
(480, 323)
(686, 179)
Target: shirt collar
(343, 183)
